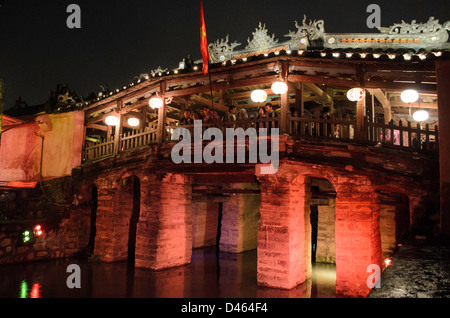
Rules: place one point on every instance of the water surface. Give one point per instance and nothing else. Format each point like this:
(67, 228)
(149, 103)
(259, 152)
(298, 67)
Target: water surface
(208, 276)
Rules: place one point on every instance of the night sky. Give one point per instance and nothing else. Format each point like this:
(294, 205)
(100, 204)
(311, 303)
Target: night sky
(123, 39)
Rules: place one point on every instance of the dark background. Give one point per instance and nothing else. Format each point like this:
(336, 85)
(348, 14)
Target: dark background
(123, 39)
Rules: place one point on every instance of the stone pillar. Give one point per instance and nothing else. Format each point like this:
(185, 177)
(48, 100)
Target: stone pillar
(205, 217)
(326, 235)
(164, 231)
(240, 220)
(443, 83)
(281, 234)
(112, 222)
(358, 242)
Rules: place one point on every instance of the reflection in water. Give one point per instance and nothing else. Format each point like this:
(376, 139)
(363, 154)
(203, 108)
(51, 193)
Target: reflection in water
(208, 276)
(34, 293)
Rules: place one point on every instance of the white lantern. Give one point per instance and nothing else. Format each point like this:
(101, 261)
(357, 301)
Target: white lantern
(133, 122)
(156, 102)
(279, 88)
(356, 94)
(421, 115)
(112, 121)
(410, 96)
(259, 96)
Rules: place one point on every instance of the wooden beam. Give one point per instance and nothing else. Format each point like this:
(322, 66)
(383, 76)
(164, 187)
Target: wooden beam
(98, 127)
(384, 101)
(223, 85)
(319, 93)
(207, 102)
(415, 105)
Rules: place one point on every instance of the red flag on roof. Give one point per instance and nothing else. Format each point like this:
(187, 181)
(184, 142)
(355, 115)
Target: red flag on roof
(203, 40)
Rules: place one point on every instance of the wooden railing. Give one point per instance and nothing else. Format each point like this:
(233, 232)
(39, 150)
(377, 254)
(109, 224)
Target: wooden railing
(415, 138)
(137, 139)
(329, 127)
(270, 122)
(99, 151)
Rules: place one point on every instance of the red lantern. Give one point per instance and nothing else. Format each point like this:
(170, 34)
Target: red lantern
(356, 94)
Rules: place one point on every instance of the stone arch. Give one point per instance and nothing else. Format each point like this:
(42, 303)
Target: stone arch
(394, 217)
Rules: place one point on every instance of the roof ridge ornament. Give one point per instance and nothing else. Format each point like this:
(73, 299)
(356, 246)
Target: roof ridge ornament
(158, 71)
(222, 50)
(261, 40)
(431, 26)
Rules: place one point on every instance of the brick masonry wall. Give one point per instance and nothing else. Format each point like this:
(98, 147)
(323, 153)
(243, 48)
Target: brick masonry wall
(164, 231)
(58, 241)
(281, 235)
(240, 220)
(205, 218)
(387, 229)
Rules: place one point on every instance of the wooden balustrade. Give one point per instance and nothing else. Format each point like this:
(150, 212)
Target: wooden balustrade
(414, 138)
(257, 123)
(137, 139)
(99, 151)
(336, 127)
(331, 127)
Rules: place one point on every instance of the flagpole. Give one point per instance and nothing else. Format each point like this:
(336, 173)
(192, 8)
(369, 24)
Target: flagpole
(205, 54)
(210, 87)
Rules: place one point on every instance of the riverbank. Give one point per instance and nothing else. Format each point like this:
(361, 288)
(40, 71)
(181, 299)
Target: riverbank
(416, 272)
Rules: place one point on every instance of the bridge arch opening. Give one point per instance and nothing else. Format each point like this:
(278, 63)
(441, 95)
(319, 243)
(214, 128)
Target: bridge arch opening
(320, 234)
(394, 220)
(129, 207)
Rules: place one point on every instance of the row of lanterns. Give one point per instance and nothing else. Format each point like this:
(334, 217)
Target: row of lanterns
(408, 96)
(279, 88)
(260, 96)
(155, 103)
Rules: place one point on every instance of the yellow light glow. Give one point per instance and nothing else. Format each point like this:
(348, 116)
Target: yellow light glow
(410, 96)
(156, 102)
(112, 121)
(259, 96)
(279, 88)
(133, 122)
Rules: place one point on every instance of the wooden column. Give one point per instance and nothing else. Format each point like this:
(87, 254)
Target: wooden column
(443, 84)
(161, 130)
(285, 109)
(299, 99)
(360, 112)
(119, 128)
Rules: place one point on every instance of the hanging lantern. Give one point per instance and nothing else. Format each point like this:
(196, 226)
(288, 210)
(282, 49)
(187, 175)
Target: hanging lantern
(410, 96)
(133, 122)
(259, 96)
(356, 94)
(279, 88)
(156, 103)
(421, 115)
(112, 121)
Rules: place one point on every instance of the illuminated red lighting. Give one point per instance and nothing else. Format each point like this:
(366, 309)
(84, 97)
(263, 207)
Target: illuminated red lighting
(35, 291)
(38, 230)
(388, 262)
